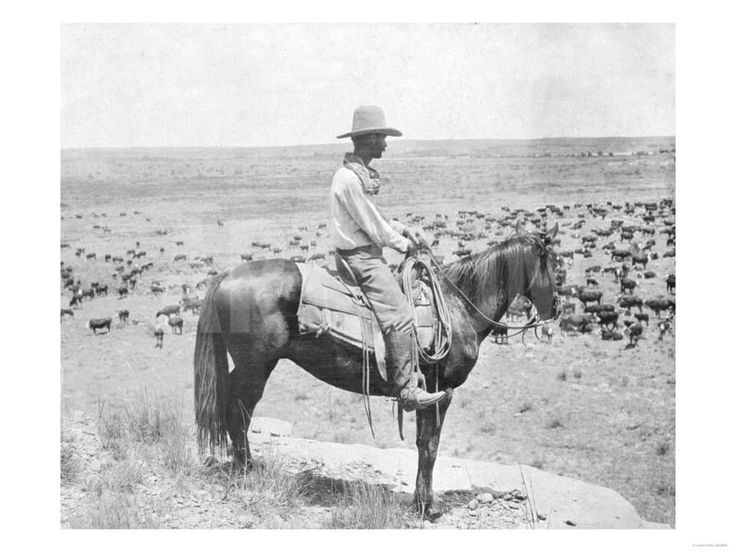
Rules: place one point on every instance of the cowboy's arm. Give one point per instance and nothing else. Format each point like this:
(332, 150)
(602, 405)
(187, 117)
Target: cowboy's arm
(367, 217)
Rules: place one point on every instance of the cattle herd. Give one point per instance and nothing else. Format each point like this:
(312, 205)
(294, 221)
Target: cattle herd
(611, 248)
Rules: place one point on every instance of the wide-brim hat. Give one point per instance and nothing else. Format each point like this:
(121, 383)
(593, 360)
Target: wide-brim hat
(369, 119)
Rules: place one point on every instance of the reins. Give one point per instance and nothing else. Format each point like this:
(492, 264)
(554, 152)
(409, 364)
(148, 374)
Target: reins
(522, 329)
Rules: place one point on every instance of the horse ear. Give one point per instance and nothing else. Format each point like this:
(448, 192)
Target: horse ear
(553, 232)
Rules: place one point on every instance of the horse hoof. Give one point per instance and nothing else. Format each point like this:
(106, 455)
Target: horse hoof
(431, 510)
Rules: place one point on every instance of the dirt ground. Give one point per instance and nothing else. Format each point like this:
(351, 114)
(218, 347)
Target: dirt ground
(579, 406)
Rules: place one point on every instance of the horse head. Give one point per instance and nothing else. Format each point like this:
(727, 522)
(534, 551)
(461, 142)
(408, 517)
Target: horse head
(539, 268)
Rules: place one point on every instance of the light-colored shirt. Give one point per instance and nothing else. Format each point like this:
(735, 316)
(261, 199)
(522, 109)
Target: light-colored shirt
(355, 221)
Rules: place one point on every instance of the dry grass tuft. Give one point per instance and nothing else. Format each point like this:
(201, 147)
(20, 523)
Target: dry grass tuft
(363, 506)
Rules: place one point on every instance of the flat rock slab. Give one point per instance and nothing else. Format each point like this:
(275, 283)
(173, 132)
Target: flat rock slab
(565, 502)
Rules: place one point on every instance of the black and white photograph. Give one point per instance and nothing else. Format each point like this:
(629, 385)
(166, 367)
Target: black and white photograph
(412, 277)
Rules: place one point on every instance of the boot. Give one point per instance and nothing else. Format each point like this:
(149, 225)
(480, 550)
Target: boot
(398, 358)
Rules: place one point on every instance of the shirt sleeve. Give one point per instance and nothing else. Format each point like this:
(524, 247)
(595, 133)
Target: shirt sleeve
(367, 217)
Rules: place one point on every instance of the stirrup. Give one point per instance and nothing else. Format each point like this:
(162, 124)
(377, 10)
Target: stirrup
(415, 398)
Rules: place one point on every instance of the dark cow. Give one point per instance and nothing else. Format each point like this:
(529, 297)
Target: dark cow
(246, 257)
(600, 307)
(670, 281)
(177, 324)
(660, 304)
(586, 296)
(123, 316)
(75, 302)
(640, 260)
(157, 289)
(169, 311)
(122, 292)
(88, 293)
(100, 323)
(628, 285)
(180, 258)
(628, 301)
(591, 282)
(101, 290)
(607, 319)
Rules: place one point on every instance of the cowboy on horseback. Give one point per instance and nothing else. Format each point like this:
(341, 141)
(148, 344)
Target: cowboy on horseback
(359, 233)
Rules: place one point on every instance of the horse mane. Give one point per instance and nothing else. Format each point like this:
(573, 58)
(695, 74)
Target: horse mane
(487, 272)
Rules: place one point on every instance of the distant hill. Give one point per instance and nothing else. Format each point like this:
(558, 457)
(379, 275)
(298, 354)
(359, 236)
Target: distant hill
(398, 148)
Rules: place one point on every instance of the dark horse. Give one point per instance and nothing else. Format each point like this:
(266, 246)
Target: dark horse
(250, 312)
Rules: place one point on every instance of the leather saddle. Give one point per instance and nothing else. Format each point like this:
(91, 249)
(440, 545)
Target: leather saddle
(332, 305)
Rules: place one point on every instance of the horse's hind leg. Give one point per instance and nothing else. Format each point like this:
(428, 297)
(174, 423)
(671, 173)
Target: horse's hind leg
(247, 383)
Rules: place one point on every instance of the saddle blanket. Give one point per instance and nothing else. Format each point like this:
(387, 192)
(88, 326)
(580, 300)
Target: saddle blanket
(331, 307)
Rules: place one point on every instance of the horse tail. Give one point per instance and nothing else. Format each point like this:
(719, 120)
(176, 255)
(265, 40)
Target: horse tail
(210, 375)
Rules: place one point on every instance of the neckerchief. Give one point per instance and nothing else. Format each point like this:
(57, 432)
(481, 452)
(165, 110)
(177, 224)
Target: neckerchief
(368, 176)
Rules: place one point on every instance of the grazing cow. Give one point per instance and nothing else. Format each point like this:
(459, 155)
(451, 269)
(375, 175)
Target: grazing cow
(88, 293)
(628, 301)
(158, 333)
(179, 243)
(177, 324)
(660, 304)
(627, 284)
(123, 316)
(246, 257)
(620, 254)
(100, 323)
(586, 296)
(600, 307)
(169, 311)
(649, 274)
(670, 253)
(101, 290)
(66, 312)
(180, 258)
(670, 280)
(157, 289)
(577, 323)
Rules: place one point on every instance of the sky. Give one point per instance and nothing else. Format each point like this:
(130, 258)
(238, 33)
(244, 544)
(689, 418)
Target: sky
(150, 85)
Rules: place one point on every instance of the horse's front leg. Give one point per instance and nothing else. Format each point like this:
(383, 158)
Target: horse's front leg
(428, 441)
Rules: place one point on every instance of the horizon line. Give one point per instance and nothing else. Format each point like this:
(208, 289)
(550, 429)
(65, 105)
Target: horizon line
(672, 136)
